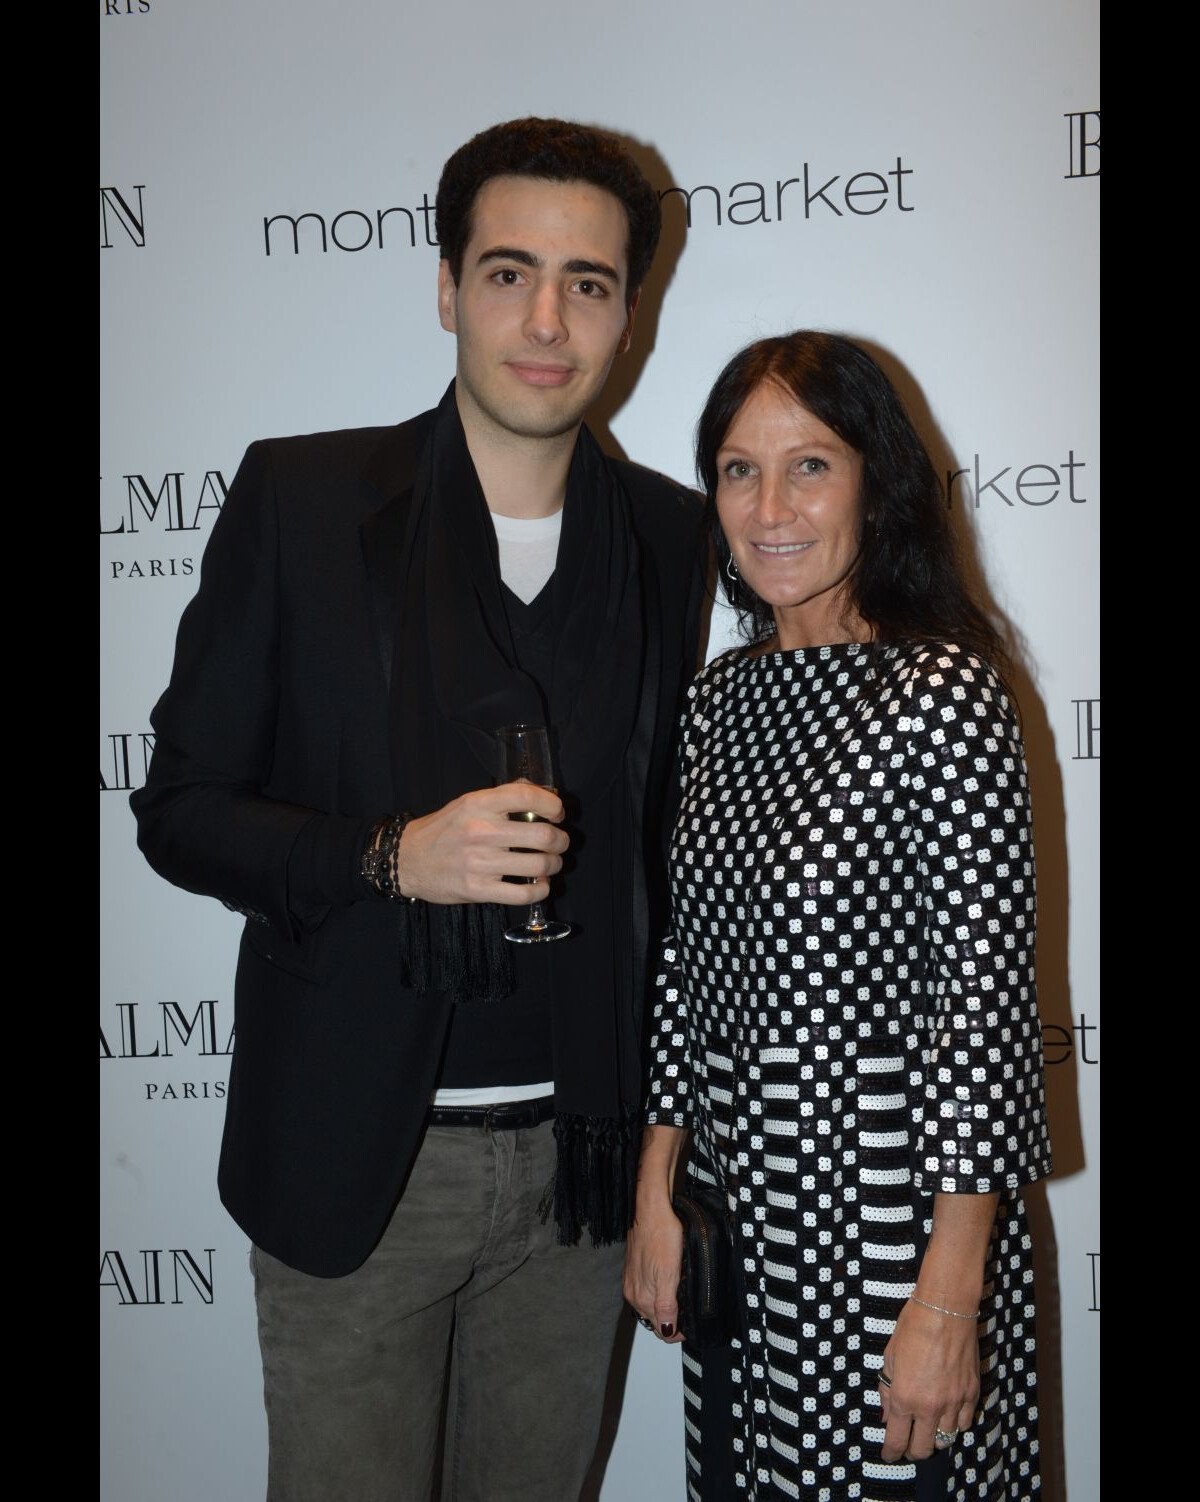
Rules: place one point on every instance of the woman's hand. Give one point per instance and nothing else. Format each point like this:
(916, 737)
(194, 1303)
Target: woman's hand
(933, 1363)
(653, 1261)
(654, 1248)
(930, 1377)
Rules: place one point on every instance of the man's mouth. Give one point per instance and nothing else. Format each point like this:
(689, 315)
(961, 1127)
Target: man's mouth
(534, 374)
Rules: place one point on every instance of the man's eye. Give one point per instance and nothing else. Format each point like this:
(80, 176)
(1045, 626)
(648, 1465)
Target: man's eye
(507, 277)
(592, 289)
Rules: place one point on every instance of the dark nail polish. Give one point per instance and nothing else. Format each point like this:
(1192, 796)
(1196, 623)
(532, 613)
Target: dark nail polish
(667, 1329)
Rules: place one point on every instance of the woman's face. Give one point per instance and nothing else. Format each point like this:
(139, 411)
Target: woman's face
(788, 502)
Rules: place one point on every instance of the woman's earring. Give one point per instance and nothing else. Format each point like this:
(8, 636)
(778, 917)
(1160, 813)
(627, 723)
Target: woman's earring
(731, 572)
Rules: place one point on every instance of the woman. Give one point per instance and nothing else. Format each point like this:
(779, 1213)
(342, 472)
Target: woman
(846, 1020)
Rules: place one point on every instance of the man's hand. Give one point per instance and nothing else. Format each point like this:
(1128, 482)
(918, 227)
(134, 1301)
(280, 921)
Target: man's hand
(463, 852)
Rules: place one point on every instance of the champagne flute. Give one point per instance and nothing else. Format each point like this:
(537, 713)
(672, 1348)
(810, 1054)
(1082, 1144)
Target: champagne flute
(525, 754)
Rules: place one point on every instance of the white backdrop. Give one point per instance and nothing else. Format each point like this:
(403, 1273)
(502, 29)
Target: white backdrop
(924, 176)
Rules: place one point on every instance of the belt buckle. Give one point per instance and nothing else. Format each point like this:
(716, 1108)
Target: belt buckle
(509, 1115)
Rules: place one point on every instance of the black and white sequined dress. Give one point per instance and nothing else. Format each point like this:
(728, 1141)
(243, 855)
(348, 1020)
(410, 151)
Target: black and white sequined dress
(846, 1018)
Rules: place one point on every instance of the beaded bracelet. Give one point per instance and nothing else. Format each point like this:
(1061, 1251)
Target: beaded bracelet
(937, 1308)
(379, 857)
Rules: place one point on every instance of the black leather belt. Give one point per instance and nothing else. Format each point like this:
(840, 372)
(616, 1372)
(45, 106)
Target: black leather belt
(503, 1116)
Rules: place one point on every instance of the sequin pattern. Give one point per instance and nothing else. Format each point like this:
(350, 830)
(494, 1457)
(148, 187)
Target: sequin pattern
(846, 1017)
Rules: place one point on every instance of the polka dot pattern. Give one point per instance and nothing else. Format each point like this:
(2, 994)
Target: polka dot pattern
(846, 1018)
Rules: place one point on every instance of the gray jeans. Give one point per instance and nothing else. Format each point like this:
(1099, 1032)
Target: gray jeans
(468, 1331)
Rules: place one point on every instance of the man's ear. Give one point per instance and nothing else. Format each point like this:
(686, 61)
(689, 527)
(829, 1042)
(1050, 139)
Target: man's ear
(627, 335)
(447, 299)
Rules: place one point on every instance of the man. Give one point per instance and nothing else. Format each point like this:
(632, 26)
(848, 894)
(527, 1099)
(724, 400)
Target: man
(430, 1133)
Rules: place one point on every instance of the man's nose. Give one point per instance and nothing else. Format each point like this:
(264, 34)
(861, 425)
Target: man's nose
(544, 323)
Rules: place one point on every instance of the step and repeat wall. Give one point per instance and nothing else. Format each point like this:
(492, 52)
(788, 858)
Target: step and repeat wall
(923, 176)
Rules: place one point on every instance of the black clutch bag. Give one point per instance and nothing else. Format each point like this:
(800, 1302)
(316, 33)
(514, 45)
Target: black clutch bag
(708, 1303)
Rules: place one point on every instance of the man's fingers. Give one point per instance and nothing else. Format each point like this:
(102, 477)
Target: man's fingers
(516, 798)
(543, 840)
(516, 893)
(524, 865)
(464, 851)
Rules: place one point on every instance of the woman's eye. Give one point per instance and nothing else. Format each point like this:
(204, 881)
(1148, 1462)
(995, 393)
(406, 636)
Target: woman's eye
(813, 466)
(737, 469)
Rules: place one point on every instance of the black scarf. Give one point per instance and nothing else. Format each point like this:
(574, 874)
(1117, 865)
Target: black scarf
(455, 682)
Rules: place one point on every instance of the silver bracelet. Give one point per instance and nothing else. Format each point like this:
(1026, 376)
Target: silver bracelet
(937, 1308)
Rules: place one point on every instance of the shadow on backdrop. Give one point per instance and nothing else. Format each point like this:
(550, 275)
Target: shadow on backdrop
(1053, 971)
(627, 369)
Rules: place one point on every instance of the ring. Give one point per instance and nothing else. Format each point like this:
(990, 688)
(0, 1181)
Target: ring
(646, 1324)
(884, 1380)
(942, 1440)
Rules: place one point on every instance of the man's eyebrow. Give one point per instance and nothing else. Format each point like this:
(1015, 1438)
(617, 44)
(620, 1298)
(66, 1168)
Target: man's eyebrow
(576, 267)
(509, 253)
(592, 268)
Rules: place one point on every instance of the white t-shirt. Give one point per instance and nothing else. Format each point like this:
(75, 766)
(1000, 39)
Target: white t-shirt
(528, 550)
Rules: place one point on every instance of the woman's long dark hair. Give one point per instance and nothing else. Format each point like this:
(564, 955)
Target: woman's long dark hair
(907, 582)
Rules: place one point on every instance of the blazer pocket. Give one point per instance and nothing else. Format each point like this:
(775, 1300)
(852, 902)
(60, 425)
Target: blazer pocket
(308, 960)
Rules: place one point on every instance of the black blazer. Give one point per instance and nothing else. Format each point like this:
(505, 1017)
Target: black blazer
(271, 764)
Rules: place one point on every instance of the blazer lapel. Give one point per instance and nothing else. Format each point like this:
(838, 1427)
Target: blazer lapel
(640, 752)
(382, 536)
(388, 480)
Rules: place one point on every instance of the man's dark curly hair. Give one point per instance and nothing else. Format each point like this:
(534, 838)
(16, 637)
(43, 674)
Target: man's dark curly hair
(559, 151)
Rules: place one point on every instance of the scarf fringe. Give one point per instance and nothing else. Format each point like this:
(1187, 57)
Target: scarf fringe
(457, 949)
(596, 1177)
